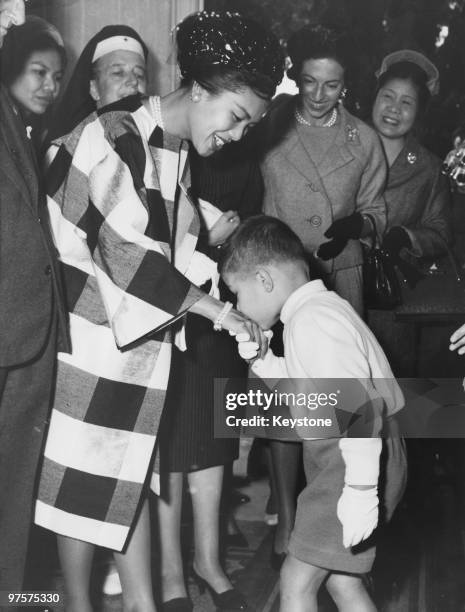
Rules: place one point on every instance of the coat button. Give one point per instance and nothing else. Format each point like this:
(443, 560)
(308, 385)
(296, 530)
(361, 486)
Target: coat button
(48, 270)
(313, 187)
(315, 220)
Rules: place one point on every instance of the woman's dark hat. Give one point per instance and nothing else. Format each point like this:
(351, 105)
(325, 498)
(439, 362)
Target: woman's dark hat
(228, 39)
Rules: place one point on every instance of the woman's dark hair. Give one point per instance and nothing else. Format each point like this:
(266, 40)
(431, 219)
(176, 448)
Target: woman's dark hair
(321, 42)
(410, 72)
(215, 78)
(226, 51)
(20, 43)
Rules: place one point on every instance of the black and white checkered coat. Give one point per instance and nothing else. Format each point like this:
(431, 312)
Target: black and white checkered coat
(121, 217)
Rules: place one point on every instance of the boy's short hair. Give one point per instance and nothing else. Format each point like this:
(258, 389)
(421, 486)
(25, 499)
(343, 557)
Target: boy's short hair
(260, 240)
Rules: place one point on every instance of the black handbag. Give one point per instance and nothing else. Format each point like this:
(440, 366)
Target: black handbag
(438, 295)
(381, 288)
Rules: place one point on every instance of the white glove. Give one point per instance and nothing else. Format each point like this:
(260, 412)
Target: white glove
(358, 512)
(248, 349)
(270, 366)
(361, 457)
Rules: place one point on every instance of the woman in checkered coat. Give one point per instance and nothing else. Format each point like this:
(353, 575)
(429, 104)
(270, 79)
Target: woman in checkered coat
(126, 231)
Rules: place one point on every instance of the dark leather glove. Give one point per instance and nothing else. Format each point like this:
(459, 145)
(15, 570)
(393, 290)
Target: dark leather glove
(331, 249)
(346, 228)
(395, 240)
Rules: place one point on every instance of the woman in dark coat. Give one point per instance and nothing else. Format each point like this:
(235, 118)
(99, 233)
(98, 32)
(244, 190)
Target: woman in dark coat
(31, 308)
(231, 182)
(417, 194)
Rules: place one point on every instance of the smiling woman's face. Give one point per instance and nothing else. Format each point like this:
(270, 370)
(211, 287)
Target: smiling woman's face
(216, 119)
(118, 74)
(38, 85)
(395, 108)
(320, 85)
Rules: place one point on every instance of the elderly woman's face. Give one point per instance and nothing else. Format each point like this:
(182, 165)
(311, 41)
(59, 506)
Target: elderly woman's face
(38, 85)
(321, 83)
(215, 120)
(118, 74)
(395, 108)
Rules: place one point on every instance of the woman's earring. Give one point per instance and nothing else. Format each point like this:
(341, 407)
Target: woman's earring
(342, 95)
(195, 97)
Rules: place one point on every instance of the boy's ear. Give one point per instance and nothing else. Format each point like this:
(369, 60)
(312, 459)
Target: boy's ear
(265, 279)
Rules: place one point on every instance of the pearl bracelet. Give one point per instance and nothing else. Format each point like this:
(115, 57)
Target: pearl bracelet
(218, 323)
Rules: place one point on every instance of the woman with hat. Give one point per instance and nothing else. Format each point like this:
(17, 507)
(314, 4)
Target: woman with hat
(417, 194)
(126, 231)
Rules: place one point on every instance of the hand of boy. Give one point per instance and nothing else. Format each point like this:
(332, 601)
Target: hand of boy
(358, 512)
(248, 349)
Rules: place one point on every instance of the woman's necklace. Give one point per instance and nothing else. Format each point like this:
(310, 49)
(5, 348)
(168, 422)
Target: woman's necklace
(157, 111)
(329, 123)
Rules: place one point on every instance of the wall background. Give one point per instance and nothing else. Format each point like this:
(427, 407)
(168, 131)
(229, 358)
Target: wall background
(79, 20)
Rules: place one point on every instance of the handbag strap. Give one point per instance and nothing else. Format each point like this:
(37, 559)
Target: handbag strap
(376, 241)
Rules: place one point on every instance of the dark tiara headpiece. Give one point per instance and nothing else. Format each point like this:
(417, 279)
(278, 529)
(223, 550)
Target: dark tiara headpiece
(227, 39)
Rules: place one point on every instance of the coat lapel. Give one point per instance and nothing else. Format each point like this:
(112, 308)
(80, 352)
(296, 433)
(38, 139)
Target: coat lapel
(411, 154)
(298, 155)
(19, 164)
(339, 154)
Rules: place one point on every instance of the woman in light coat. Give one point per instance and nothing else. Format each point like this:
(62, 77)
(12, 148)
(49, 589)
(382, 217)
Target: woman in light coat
(324, 173)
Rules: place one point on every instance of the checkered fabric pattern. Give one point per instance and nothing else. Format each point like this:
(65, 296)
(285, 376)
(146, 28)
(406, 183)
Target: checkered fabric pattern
(125, 230)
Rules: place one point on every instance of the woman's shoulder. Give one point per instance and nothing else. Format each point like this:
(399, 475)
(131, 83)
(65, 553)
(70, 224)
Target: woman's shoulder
(361, 138)
(365, 131)
(428, 157)
(71, 139)
(281, 111)
(276, 124)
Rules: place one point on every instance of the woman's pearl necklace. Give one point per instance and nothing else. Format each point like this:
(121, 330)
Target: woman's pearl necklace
(331, 121)
(157, 111)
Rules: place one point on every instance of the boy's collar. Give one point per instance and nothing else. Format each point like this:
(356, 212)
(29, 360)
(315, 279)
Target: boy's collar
(299, 296)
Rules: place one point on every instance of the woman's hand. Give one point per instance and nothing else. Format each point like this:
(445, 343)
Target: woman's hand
(331, 249)
(395, 240)
(457, 340)
(234, 321)
(12, 12)
(237, 323)
(347, 228)
(223, 228)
